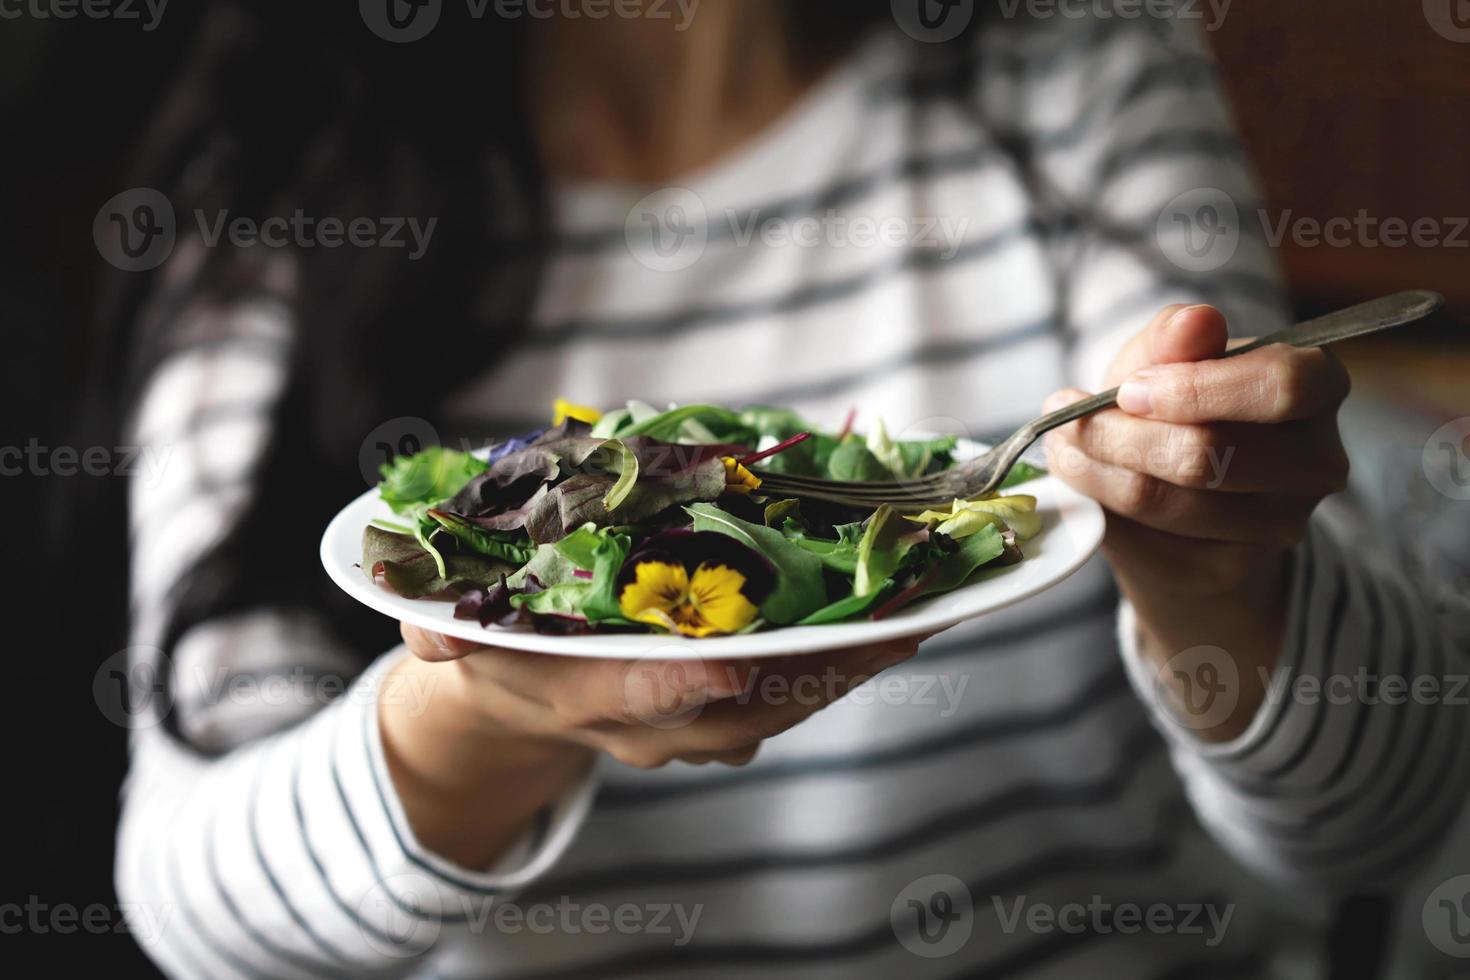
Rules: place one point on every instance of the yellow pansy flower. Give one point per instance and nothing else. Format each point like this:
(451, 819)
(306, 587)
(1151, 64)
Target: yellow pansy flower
(708, 602)
(563, 410)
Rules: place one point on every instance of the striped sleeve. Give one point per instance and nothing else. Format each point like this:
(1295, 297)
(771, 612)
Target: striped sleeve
(1351, 772)
(1143, 192)
(261, 835)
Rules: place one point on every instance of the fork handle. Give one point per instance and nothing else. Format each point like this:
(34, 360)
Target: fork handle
(1365, 318)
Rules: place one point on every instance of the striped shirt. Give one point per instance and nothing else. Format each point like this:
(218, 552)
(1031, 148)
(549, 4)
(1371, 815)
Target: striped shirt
(943, 242)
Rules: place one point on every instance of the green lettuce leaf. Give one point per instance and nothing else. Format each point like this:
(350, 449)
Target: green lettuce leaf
(426, 477)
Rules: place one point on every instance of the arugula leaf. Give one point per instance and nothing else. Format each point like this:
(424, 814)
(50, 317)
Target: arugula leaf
(846, 608)
(840, 556)
(720, 425)
(978, 549)
(799, 588)
(426, 477)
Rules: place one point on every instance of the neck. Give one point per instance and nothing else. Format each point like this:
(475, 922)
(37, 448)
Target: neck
(646, 100)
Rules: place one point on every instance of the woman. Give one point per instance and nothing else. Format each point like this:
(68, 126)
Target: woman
(617, 202)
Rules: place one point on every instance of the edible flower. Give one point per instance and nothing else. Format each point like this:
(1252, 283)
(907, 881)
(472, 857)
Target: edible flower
(563, 410)
(738, 479)
(694, 583)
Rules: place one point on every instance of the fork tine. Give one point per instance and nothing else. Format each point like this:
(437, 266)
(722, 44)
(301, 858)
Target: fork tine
(934, 481)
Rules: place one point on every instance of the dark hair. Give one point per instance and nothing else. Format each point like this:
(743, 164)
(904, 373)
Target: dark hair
(308, 109)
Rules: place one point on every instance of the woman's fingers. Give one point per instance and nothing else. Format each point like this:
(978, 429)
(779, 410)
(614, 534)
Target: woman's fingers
(435, 647)
(1274, 384)
(652, 711)
(1189, 512)
(1294, 457)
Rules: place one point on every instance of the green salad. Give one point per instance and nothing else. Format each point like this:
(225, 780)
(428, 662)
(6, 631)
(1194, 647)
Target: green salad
(655, 521)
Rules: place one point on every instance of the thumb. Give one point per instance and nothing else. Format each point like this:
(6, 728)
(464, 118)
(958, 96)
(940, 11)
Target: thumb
(1176, 334)
(1195, 333)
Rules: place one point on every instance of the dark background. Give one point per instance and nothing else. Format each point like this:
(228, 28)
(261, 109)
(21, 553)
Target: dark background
(1345, 105)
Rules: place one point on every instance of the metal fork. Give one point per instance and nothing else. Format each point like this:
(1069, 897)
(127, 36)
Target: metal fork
(983, 475)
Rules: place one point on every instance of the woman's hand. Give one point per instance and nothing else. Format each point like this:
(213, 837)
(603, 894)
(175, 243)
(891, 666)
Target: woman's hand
(1208, 472)
(505, 731)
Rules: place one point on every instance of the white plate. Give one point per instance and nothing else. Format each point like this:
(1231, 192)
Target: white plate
(1072, 529)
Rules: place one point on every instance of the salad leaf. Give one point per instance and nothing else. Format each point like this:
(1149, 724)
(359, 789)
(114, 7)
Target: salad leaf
(426, 477)
(399, 562)
(840, 556)
(886, 541)
(514, 548)
(846, 608)
(964, 517)
(853, 460)
(1022, 472)
(978, 549)
(799, 589)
